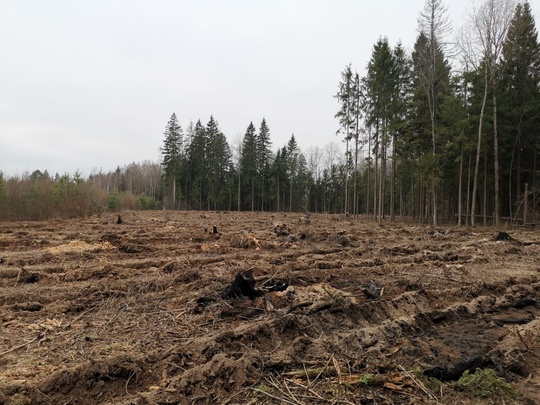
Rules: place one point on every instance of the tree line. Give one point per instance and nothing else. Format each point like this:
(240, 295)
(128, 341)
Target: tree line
(40, 196)
(447, 132)
(443, 142)
(201, 171)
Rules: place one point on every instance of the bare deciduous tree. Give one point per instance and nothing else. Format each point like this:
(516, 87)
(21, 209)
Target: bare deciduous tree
(482, 42)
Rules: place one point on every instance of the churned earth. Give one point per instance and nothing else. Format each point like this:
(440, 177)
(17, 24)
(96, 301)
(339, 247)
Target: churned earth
(172, 307)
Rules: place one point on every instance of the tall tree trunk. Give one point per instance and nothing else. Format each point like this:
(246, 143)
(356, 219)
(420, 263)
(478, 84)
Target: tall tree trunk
(382, 171)
(518, 177)
(460, 185)
(495, 156)
(277, 192)
(381, 182)
(252, 193)
(422, 199)
(284, 194)
(188, 187)
(535, 160)
(467, 217)
(346, 203)
(290, 194)
(355, 196)
(434, 179)
(401, 208)
(478, 147)
(239, 189)
(484, 205)
(376, 173)
(393, 180)
(510, 190)
(432, 101)
(412, 205)
(174, 192)
(262, 192)
(368, 181)
(231, 194)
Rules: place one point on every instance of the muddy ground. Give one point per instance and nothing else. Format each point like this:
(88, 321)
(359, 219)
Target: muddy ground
(325, 309)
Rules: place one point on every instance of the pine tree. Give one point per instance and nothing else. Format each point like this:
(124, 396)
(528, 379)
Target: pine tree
(358, 98)
(346, 98)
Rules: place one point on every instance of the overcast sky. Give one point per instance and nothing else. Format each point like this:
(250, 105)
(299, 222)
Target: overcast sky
(90, 85)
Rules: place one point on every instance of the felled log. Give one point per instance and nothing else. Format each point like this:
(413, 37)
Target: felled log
(512, 320)
(453, 372)
(315, 372)
(524, 302)
(352, 380)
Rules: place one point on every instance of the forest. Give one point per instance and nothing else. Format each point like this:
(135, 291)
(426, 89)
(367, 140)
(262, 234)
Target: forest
(446, 133)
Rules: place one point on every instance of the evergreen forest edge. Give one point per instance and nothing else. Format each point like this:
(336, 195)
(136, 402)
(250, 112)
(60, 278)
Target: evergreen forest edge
(422, 140)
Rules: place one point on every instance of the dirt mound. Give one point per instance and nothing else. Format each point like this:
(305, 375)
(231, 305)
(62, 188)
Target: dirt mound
(79, 246)
(159, 310)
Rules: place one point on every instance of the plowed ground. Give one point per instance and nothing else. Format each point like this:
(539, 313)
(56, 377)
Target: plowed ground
(344, 311)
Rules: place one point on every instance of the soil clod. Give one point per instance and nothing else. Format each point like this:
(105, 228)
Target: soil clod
(371, 290)
(503, 236)
(282, 229)
(242, 286)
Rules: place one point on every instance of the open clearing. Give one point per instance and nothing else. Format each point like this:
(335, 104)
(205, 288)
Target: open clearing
(342, 311)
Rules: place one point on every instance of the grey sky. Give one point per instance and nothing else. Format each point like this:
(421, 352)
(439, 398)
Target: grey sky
(91, 84)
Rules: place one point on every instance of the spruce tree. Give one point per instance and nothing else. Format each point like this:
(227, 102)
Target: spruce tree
(219, 166)
(197, 158)
(401, 104)
(248, 163)
(434, 25)
(264, 154)
(292, 165)
(280, 174)
(381, 84)
(520, 104)
(431, 77)
(171, 154)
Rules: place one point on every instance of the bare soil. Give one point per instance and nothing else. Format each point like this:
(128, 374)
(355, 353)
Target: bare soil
(326, 309)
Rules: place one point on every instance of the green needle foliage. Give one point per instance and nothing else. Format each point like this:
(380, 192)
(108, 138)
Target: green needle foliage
(484, 383)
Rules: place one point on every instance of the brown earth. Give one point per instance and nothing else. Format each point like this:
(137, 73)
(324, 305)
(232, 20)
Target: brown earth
(341, 311)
